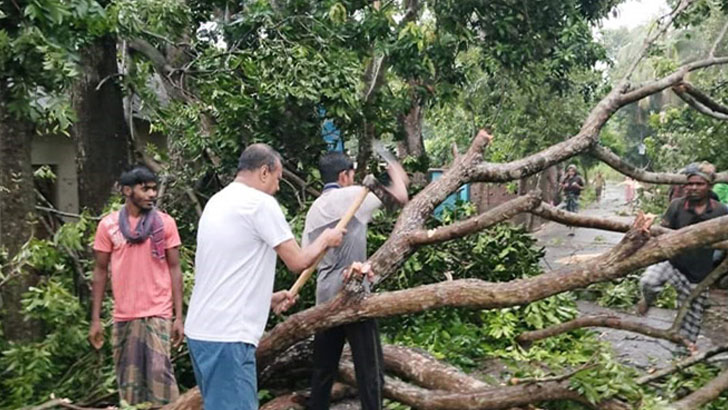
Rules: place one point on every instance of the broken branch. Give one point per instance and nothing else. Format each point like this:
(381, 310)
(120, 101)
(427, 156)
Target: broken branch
(696, 105)
(705, 394)
(611, 321)
(683, 364)
(701, 97)
(477, 223)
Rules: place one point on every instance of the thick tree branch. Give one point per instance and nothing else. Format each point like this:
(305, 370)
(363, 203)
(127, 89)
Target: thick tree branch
(608, 157)
(552, 213)
(390, 256)
(477, 223)
(631, 324)
(161, 66)
(502, 397)
(428, 372)
(701, 97)
(692, 102)
(297, 400)
(589, 133)
(155, 56)
(676, 77)
(633, 252)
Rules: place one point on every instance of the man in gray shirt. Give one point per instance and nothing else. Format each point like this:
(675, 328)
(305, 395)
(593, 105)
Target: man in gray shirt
(337, 172)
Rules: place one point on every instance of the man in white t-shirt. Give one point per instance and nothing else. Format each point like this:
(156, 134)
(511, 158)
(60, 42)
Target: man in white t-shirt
(241, 231)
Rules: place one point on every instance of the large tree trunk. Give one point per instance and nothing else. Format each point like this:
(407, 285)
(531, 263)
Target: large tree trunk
(17, 206)
(100, 133)
(411, 123)
(413, 145)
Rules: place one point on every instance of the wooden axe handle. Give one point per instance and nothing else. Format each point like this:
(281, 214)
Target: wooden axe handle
(303, 277)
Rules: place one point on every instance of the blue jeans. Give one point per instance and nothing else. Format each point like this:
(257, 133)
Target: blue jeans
(226, 374)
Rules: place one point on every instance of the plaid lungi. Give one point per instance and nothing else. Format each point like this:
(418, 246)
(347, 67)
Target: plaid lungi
(653, 282)
(142, 361)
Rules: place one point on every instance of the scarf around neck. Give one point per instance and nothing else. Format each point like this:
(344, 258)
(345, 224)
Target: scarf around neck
(150, 226)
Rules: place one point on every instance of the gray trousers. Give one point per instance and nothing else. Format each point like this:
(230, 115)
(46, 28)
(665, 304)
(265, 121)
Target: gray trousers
(653, 282)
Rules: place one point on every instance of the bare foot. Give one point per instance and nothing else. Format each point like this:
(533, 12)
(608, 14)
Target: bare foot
(692, 349)
(642, 307)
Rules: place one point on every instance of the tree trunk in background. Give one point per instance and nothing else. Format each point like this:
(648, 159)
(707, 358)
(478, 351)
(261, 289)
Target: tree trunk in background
(411, 123)
(365, 150)
(17, 208)
(413, 144)
(100, 134)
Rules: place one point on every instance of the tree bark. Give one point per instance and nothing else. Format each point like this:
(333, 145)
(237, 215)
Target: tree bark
(477, 223)
(495, 398)
(17, 216)
(552, 213)
(615, 322)
(411, 124)
(617, 163)
(697, 105)
(297, 400)
(701, 97)
(428, 372)
(100, 133)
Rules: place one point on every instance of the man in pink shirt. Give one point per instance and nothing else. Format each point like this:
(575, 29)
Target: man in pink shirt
(141, 246)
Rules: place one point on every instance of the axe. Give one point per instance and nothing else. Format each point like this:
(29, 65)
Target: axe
(382, 151)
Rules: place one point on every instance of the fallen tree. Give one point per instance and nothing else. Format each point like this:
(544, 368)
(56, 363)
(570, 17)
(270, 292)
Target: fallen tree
(641, 246)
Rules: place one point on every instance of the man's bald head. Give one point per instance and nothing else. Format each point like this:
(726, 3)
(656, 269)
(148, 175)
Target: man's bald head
(258, 155)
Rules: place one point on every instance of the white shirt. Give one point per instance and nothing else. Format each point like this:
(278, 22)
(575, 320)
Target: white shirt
(235, 265)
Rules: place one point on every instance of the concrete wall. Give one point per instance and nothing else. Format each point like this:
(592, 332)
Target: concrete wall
(59, 153)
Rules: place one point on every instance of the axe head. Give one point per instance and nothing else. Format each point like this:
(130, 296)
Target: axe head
(380, 149)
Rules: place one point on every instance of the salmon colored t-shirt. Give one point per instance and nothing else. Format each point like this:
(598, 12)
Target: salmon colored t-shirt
(141, 283)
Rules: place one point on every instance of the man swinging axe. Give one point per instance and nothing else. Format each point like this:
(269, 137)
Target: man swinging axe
(340, 197)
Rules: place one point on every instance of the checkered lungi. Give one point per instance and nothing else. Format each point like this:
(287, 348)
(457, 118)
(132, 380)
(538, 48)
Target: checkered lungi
(142, 361)
(653, 282)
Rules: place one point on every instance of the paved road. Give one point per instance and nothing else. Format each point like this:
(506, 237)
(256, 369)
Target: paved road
(637, 350)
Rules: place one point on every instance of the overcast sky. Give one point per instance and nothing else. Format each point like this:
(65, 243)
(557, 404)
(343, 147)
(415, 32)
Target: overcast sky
(632, 13)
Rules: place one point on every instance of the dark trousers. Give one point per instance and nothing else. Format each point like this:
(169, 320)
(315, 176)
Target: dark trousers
(366, 349)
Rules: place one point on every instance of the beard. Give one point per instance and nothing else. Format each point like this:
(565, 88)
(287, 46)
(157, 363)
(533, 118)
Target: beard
(695, 198)
(141, 203)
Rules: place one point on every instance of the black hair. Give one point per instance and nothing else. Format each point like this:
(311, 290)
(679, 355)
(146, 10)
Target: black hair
(257, 155)
(332, 163)
(137, 175)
